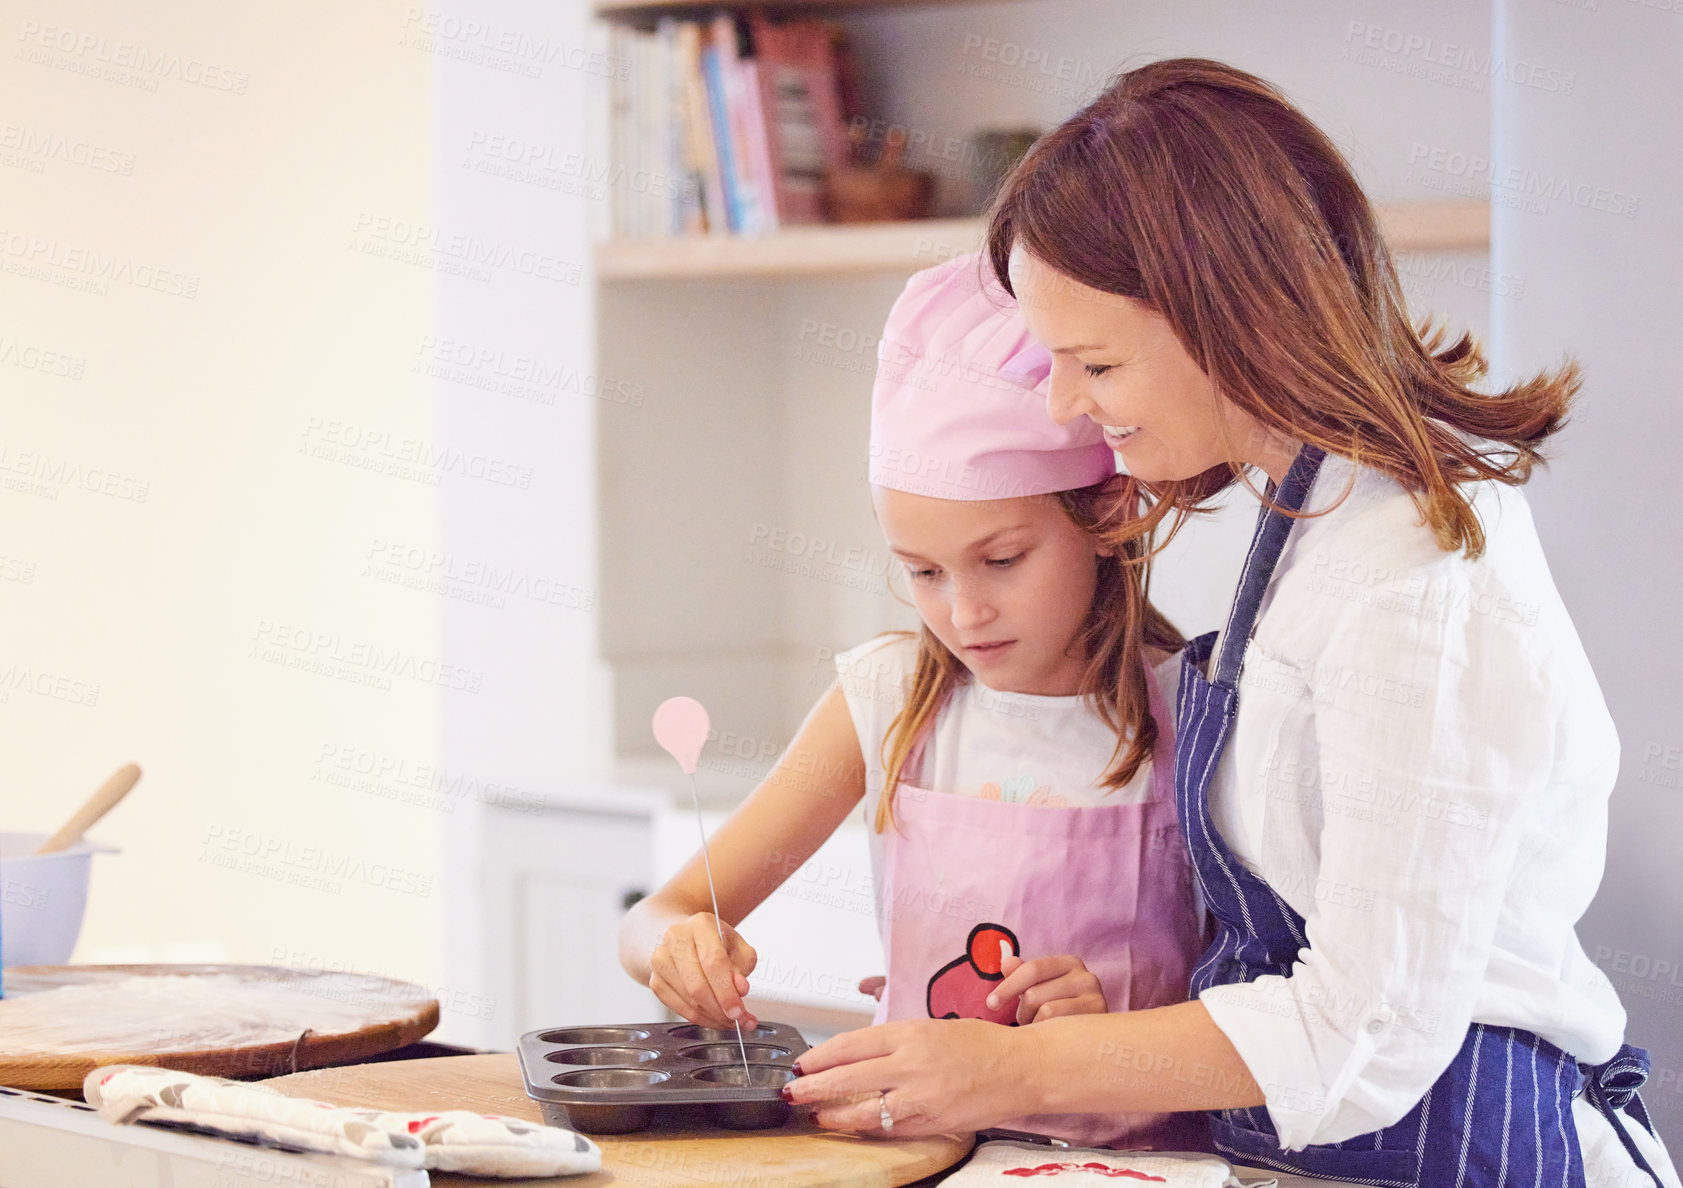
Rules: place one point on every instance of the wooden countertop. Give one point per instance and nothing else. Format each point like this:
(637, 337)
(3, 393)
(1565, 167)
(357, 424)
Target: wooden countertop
(798, 1155)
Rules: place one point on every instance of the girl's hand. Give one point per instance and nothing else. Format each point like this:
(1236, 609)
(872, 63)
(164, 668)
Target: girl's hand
(935, 1076)
(1049, 987)
(700, 978)
(873, 986)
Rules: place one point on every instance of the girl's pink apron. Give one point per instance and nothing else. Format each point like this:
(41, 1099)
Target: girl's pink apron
(1111, 884)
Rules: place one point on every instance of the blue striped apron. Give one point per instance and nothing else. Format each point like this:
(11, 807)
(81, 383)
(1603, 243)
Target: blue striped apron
(1501, 1114)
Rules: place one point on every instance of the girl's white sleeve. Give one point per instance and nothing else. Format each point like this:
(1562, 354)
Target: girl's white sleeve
(874, 677)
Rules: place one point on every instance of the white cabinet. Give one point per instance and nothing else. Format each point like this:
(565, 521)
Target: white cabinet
(556, 886)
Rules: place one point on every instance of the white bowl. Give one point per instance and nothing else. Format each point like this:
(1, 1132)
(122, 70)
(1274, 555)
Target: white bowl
(42, 898)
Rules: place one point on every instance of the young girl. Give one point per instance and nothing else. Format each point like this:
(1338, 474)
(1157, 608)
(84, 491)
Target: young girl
(1014, 757)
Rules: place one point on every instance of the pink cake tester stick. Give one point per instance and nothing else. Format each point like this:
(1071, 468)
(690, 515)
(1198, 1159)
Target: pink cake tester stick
(680, 727)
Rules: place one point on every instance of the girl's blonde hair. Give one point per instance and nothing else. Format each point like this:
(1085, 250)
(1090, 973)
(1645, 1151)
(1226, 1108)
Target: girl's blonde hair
(1121, 623)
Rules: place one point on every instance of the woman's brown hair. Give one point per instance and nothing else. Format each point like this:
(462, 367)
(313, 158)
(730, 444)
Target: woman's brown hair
(1199, 191)
(1121, 623)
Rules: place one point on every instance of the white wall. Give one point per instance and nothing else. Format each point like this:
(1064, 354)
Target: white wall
(518, 166)
(320, 193)
(185, 609)
(1601, 285)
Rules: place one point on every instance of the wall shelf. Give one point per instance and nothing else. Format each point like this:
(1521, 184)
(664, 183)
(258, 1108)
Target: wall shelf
(822, 249)
(841, 249)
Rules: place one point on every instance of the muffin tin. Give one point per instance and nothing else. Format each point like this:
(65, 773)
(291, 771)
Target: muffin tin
(609, 1079)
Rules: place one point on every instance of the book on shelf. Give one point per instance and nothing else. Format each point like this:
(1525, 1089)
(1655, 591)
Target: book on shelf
(727, 125)
(801, 88)
(703, 190)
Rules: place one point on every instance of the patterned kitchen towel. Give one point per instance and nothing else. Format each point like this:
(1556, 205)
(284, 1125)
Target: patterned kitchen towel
(1004, 1162)
(492, 1145)
(453, 1140)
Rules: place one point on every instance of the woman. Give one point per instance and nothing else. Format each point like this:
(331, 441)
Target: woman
(1393, 763)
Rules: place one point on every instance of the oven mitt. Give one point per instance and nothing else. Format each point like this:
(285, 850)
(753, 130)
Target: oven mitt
(134, 1093)
(492, 1145)
(453, 1140)
(1005, 1162)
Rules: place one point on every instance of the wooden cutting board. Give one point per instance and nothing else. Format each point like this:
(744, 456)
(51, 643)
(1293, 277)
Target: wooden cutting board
(798, 1155)
(221, 1020)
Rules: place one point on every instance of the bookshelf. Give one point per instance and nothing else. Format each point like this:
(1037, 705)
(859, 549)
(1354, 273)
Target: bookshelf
(843, 249)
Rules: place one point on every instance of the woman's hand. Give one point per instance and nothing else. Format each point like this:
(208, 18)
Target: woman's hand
(700, 977)
(934, 1076)
(1048, 987)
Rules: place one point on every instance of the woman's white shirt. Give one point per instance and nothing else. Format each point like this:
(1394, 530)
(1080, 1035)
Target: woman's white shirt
(1420, 767)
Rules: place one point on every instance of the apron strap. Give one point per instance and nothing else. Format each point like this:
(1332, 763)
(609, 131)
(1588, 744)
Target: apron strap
(1272, 527)
(1611, 1086)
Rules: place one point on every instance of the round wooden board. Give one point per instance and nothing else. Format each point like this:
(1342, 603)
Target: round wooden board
(799, 1155)
(315, 1018)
